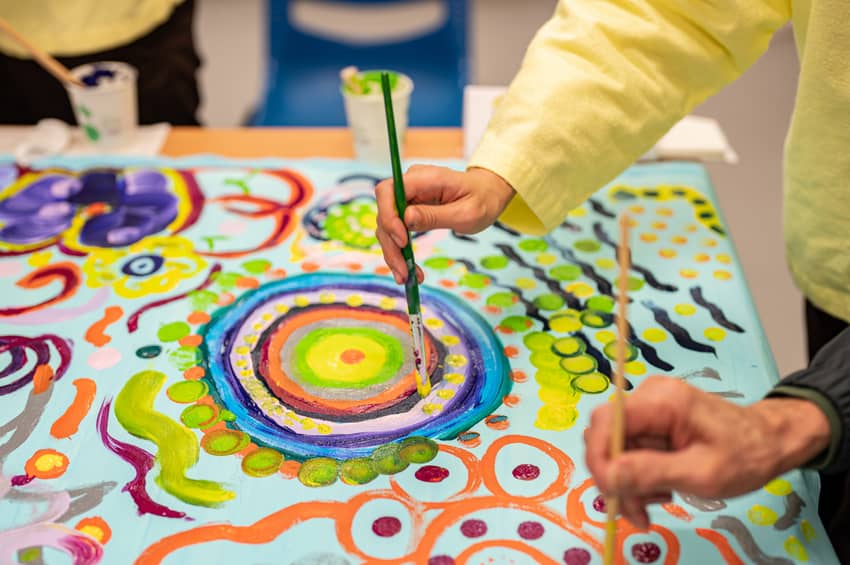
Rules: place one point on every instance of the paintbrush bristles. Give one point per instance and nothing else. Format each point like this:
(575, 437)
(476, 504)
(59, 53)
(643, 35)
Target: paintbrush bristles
(617, 420)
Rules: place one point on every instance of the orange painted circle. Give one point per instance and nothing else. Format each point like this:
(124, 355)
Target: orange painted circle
(352, 356)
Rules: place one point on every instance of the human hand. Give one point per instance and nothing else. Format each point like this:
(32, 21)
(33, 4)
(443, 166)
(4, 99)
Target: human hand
(438, 197)
(679, 438)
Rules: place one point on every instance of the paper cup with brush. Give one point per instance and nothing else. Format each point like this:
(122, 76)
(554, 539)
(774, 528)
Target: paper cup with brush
(364, 111)
(105, 105)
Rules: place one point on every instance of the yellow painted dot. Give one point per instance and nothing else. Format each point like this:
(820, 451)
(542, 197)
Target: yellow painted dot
(659, 225)
(93, 531)
(709, 242)
(565, 324)
(49, 462)
(556, 418)
(667, 253)
(606, 263)
(268, 317)
(251, 338)
(723, 258)
(241, 363)
(655, 335)
(434, 323)
(40, 258)
(577, 212)
(525, 283)
(545, 259)
(387, 303)
(702, 257)
(714, 334)
(605, 337)
(455, 360)
(692, 228)
(648, 237)
(679, 239)
(454, 378)
(808, 530)
(324, 429)
(308, 424)
(722, 275)
(685, 309)
(580, 289)
(354, 300)
(431, 408)
(243, 350)
(795, 549)
(667, 212)
(635, 368)
(327, 297)
(689, 273)
(258, 327)
(247, 373)
(761, 515)
(450, 340)
(636, 209)
(281, 308)
(446, 393)
(778, 487)
(559, 396)
(302, 301)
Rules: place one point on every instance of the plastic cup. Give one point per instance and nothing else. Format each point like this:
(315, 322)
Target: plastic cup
(367, 118)
(106, 108)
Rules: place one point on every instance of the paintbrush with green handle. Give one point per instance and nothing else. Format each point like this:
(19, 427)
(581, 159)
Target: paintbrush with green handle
(411, 287)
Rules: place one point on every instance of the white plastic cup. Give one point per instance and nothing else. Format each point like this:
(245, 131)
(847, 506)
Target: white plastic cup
(108, 111)
(368, 123)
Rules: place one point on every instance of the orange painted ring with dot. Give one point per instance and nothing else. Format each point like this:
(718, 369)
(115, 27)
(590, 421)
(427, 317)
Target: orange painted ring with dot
(497, 422)
(96, 527)
(46, 464)
(284, 387)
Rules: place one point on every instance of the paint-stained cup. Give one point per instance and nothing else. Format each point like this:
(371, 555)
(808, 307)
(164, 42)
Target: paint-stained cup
(106, 107)
(367, 120)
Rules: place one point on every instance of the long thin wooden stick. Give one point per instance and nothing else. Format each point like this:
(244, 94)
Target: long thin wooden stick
(612, 505)
(43, 58)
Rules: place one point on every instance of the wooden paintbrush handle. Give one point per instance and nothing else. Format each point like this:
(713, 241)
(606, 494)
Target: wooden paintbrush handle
(43, 58)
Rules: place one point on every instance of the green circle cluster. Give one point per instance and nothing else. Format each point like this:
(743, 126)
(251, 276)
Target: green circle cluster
(352, 223)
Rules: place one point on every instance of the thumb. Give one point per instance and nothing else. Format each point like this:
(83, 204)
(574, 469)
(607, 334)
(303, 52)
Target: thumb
(644, 472)
(424, 217)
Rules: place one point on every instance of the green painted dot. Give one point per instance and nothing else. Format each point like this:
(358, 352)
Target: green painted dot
(256, 266)
(587, 245)
(538, 341)
(262, 462)
(227, 415)
(594, 319)
(30, 555)
(227, 281)
(148, 351)
(438, 263)
(224, 442)
(545, 359)
(533, 245)
(502, 299)
(185, 392)
(202, 299)
(387, 459)
(516, 323)
(494, 262)
(565, 272)
(549, 302)
(579, 365)
(610, 351)
(634, 283)
(318, 472)
(199, 416)
(173, 331)
(569, 346)
(184, 357)
(553, 378)
(418, 450)
(474, 280)
(357, 471)
(91, 132)
(591, 383)
(601, 303)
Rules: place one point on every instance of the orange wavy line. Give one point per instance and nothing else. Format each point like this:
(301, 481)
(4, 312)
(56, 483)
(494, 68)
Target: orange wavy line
(41, 378)
(68, 423)
(722, 545)
(95, 334)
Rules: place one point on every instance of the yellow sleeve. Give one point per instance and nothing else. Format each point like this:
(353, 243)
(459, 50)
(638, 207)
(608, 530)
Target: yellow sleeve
(601, 82)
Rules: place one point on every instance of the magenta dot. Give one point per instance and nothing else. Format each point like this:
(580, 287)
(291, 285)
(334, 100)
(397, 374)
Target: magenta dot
(473, 528)
(431, 473)
(647, 552)
(576, 556)
(530, 530)
(441, 560)
(599, 503)
(526, 472)
(386, 526)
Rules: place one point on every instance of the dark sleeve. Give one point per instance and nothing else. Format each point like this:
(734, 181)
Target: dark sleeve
(826, 382)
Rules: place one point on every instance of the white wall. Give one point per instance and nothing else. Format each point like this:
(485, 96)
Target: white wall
(754, 111)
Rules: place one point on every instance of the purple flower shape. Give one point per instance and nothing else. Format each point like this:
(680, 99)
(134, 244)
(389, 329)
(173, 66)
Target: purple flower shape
(138, 204)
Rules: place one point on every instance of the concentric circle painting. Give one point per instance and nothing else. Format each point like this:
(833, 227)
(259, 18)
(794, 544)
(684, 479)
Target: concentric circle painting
(318, 365)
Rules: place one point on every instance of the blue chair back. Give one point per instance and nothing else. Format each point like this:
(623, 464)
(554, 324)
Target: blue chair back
(303, 86)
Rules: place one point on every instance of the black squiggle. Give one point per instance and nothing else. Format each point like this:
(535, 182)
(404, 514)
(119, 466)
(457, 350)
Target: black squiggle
(793, 507)
(568, 225)
(600, 209)
(716, 313)
(587, 269)
(745, 539)
(602, 363)
(464, 237)
(506, 229)
(650, 279)
(649, 353)
(680, 334)
(540, 275)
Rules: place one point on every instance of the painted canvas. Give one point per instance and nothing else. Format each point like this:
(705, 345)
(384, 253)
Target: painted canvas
(205, 361)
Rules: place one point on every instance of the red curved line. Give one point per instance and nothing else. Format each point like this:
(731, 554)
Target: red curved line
(196, 200)
(67, 272)
(133, 321)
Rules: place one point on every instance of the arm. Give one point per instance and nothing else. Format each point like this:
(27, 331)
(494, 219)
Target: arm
(602, 81)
